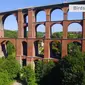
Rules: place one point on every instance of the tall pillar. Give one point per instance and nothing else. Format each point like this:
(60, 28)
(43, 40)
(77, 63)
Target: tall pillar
(19, 51)
(65, 11)
(48, 30)
(83, 45)
(1, 52)
(83, 15)
(64, 48)
(83, 29)
(1, 27)
(20, 24)
(31, 51)
(31, 25)
(46, 49)
(48, 14)
(65, 29)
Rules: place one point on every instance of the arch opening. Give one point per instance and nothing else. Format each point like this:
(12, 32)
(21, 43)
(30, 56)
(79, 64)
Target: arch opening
(40, 31)
(23, 62)
(41, 16)
(74, 31)
(55, 50)
(10, 26)
(57, 15)
(7, 49)
(39, 48)
(57, 31)
(25, 26)
(24, 48)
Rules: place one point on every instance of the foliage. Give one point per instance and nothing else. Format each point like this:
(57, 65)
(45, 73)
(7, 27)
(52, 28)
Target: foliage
(40, 34)
(10, 34)
(42, 70)
(57, 35)
(72, 69)
(11, 66)
(74, 35)
(28, 74)
(73, 48)
(4, 78)
(56, 49)
(10, 48)
(38, 70)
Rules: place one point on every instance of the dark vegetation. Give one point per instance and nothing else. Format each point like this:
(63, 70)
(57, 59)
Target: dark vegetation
(68, 71)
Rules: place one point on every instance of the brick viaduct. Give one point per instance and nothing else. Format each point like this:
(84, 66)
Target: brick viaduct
(21, 14)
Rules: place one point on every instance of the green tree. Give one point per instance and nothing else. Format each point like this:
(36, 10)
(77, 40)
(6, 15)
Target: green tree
(11, 66)
(43, 70)
(72, 69)
(28, 74)
(10, 48)
(4, 78)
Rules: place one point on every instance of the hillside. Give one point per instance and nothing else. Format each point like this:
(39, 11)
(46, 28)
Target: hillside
(13, 34)
(10, 34)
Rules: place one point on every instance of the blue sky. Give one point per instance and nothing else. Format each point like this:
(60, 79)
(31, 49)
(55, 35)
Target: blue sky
(6, 5)
(11, 24)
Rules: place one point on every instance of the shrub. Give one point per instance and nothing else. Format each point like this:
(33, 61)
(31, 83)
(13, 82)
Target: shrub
(4, 78)
(11, 66)
(28, 75)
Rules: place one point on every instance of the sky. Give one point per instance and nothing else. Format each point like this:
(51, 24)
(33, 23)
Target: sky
(11, 24)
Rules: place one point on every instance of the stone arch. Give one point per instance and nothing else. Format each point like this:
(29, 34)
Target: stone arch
(74, 15)
(40, 16)
(10, 24)
(74, 30)
(8, 14)
(8, 48)
(74, 47)
(39, 48)
(40, 31)
(58, 13)
(55, 49)
(56, 31)
(24, 48)
(6, 40)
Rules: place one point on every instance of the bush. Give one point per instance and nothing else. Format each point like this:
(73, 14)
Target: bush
(11, 66)
(28, 74)
(72, 69)
(4, 78)
(43, 70)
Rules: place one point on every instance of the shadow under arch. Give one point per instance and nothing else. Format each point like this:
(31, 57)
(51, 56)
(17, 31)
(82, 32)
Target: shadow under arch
(8, 49)
(39, 48)
(24, 48)
(55, 49)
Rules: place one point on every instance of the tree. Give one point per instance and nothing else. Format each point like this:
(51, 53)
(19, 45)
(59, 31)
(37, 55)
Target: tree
(11, 66)
(10, 48)
(4, 78)
(28, 74)
(72, 69)
(43, 71)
